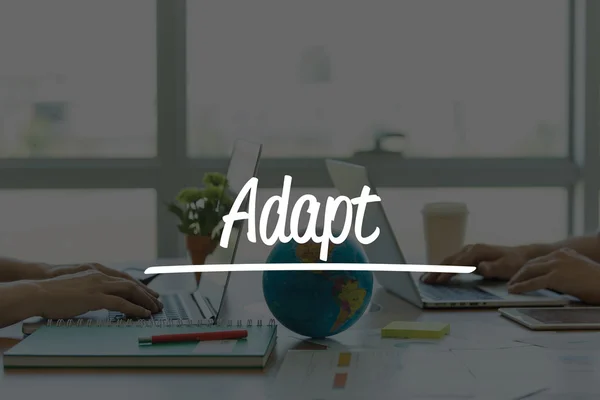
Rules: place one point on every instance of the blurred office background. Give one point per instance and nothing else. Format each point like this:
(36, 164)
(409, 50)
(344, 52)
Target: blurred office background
(108, 108)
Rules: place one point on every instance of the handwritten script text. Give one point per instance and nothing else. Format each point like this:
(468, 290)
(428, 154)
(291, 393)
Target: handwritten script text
(331, 208)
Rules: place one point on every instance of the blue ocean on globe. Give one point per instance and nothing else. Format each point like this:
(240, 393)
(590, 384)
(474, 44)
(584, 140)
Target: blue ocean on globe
(317, 304)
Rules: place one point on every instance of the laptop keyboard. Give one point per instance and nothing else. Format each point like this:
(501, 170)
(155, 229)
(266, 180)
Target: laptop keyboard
(172, 309)
(435, 292)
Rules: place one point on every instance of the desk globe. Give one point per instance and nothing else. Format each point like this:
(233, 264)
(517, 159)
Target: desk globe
(317, 304)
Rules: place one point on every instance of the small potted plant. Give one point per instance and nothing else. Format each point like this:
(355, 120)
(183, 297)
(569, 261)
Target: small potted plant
(200, 212)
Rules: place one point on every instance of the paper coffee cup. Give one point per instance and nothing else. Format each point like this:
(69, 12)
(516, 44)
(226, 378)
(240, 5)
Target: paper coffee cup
(445, 227)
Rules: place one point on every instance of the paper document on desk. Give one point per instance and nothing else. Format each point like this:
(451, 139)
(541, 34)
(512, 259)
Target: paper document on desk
(575, 395)
(333, 374)
(542, 367)
(496, 329)
(371, 339)
(12, 332)
(511, 364)
(358, 375)
(564, 341)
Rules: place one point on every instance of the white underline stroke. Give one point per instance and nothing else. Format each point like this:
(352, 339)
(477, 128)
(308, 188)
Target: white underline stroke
(182, 269)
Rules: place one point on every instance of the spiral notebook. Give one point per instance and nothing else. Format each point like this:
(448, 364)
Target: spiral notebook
(100, 344)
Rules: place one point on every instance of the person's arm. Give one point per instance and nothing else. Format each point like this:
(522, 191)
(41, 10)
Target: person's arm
(17, 302)
(588, 246)
(12, 270)
(68, 296)
(565, 271)
(503, 262)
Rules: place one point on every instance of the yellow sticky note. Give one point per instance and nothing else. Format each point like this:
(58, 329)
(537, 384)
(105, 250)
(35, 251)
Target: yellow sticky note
(415, 330)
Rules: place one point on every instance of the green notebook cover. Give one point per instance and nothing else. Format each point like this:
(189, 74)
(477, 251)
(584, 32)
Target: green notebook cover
(117, 347)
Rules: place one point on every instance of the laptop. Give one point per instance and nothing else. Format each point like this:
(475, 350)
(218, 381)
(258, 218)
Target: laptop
(206, 301)
(464, 291)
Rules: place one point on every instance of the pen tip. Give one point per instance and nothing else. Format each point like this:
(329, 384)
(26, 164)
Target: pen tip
(144, 340)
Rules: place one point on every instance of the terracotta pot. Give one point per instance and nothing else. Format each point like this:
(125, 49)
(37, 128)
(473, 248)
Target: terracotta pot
(199, 248)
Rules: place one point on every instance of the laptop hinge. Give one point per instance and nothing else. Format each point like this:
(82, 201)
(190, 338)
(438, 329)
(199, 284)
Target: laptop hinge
(415, 282)
(205, 308)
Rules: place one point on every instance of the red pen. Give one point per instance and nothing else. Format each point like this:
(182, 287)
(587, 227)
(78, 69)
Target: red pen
(194, 337)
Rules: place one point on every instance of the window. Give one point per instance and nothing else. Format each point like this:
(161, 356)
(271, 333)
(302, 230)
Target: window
(505, 216)
(460, 78)
(492, 102)
(77, 78)
(63, 226)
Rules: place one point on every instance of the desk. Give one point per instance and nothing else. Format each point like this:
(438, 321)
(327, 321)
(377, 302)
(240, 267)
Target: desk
(245, 290)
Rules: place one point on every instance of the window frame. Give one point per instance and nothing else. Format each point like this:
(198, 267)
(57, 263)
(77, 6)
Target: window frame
(171, 169)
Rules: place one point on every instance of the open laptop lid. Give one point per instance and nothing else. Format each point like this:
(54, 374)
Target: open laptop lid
(349, 179)
(243, 165)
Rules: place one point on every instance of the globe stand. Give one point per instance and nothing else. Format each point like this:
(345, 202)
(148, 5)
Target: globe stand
(373, 308)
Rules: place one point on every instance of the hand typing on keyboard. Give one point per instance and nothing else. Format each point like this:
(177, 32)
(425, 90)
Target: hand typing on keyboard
(173, 309)
(564, 271)
(570, 267)
(31, 289)
(492, 262)
(70, 295)
(51, 271)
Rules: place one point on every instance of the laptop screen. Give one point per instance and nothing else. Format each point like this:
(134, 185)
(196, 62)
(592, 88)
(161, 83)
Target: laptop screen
(243, 166)
(350, 179)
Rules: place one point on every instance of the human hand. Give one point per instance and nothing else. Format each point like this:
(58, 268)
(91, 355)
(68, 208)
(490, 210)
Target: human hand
(70, 295)
(492, 262)
(564, 271)
(59, 270)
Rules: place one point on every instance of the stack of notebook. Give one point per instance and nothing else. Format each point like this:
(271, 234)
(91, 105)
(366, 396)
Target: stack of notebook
(115, 346)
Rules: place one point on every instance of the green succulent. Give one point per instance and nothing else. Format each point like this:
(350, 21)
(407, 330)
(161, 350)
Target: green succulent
(215, 179)
(190, 195)
(201, 210)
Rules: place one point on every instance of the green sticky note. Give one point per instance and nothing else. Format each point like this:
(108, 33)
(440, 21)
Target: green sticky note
(415, 330)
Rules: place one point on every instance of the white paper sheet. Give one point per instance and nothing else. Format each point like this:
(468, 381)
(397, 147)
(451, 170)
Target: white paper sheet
(313, 373)
(564, 370)
(409, 373)
(564, 341)
(12, 332)
(372, 340)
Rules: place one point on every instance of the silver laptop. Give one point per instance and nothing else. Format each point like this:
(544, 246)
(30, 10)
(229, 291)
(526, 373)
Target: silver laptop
(204, 304)
(206, 301)
(464, 291)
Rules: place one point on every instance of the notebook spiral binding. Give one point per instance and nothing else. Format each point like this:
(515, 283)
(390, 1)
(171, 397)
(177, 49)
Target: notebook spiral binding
(220, 323)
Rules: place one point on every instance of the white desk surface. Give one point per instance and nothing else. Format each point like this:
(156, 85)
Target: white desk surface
(244, 301)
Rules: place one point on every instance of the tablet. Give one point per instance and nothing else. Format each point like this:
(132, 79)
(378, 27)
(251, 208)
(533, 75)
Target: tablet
(554, 319)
